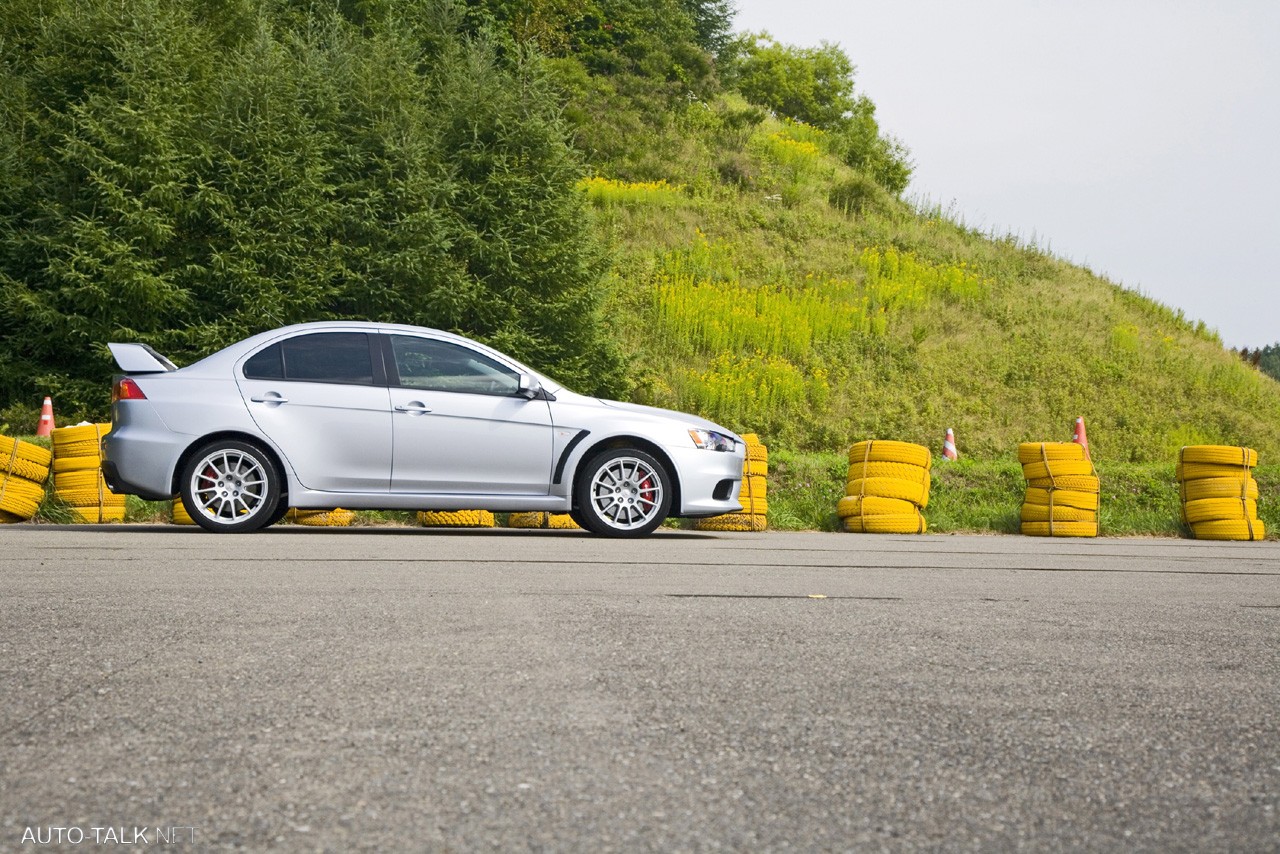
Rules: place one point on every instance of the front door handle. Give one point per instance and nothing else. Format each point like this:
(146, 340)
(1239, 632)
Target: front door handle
(414, 408)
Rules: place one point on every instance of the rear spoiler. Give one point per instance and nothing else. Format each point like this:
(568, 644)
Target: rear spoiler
(140, 359)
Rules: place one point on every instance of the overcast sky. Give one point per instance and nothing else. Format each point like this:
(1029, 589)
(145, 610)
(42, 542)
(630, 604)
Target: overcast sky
(1138, 137)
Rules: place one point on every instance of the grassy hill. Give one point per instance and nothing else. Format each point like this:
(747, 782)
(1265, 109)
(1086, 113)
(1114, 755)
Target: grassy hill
(799, 300)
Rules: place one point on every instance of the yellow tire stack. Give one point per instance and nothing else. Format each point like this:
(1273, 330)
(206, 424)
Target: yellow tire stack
(335, 518)
(24, 468)
(455, 518)
(1062, 490)
(1219, 494)
(178, 513)
(886, 488)
(77, 474)
(553, 521)
(753, 494)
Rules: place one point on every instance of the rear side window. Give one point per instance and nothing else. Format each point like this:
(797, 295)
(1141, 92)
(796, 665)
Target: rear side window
(322, 357)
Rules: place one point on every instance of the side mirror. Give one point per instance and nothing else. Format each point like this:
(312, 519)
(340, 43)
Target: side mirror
(529, 387)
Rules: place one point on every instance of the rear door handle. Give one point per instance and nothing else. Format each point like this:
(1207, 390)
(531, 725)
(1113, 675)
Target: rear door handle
(270, 397)
(414, 408)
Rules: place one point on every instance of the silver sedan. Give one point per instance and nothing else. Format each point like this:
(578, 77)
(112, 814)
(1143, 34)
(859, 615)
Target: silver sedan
(382, 416)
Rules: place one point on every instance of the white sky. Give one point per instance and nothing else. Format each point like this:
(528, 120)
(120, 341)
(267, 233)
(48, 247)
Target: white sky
(1138, 137)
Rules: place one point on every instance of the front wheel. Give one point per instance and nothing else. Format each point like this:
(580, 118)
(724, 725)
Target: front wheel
(623, 493)
(231, 486)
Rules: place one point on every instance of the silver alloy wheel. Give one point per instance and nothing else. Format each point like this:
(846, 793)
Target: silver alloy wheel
(626, 493)
(229, 485)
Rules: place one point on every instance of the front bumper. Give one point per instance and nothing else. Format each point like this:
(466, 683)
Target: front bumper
(709, 481)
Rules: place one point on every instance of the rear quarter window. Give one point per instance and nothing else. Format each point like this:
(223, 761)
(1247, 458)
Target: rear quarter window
(265, 365)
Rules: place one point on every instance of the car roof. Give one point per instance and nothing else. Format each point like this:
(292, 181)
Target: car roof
(235, 351)
(339, 326)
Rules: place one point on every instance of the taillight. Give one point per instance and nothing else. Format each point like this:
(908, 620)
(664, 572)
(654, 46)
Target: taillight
(126, 389)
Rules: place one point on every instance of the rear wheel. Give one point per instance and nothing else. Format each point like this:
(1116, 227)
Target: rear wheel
(230, 486)
(622, 493)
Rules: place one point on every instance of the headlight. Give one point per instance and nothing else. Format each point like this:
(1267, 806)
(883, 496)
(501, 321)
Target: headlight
(709, 440)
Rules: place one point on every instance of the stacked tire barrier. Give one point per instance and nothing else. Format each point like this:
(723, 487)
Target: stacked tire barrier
(753, 493)
(1062, 490)
(1219, 494)
(455, 519)
(77, 474)
(24, 468)
(552, 521)
(178, 513)
(336, 518)
(886, 488)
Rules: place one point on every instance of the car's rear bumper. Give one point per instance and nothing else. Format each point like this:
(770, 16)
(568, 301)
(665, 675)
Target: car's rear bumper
(120, 486)
(140, 453)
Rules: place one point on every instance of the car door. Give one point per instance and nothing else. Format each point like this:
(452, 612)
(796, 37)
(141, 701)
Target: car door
(321, 398)
(458, 424)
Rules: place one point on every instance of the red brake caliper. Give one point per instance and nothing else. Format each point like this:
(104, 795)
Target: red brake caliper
(210, 475)
(647, 490)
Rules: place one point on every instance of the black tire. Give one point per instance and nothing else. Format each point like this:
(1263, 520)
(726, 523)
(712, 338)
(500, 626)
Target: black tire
(622, 492)
(282, 510)
(230, 486)
(576, 515)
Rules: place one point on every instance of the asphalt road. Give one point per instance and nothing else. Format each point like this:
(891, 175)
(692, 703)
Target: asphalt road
(413, 689)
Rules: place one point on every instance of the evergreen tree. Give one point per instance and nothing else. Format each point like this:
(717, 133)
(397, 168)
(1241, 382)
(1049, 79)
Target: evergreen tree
(186, 179)
(1269, 363)
(712, 23)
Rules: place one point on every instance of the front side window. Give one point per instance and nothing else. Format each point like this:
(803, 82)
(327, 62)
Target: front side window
(444, 366)
(322, 357)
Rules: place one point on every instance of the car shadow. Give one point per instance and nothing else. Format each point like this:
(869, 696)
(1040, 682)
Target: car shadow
(364, 530)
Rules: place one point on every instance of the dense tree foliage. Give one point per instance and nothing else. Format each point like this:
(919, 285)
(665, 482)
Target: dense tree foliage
(188, 177)
(661, 41)
(815, 86)
(712, 23)
(810, 85)
(626, 69)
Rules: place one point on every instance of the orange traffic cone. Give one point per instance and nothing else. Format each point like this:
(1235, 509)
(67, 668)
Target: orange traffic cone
(1081, 438)
(46, 418)
(949, 451)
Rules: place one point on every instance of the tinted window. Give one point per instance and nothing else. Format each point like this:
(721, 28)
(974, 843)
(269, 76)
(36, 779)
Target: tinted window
(442, 366)
(265, 365)
(323, 357)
